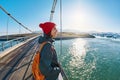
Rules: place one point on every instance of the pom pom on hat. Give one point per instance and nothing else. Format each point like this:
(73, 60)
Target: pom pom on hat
(47, 27)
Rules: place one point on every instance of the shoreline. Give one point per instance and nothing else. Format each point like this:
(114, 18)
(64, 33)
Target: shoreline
(65, 36)
(70, 35)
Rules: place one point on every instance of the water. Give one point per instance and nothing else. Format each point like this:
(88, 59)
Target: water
(90, 59)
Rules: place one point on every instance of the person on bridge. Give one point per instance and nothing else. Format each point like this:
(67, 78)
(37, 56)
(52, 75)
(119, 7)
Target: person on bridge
(49, 65)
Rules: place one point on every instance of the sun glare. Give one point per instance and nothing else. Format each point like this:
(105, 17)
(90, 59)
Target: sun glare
(77, 50)
(78, 20)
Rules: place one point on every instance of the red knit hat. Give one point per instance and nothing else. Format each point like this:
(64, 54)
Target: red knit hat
(47, 27)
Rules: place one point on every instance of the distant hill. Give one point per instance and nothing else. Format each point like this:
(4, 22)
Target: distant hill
(65, 35)
(68, 35)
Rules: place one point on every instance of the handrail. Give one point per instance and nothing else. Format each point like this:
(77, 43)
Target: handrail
(63, 73)
(13, 39)
(7, 44)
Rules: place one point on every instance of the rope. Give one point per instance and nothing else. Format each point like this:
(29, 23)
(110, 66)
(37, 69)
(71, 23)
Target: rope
(53, 10)
(14, 19)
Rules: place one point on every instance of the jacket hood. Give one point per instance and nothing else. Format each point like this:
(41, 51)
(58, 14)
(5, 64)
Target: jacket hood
(45, 38)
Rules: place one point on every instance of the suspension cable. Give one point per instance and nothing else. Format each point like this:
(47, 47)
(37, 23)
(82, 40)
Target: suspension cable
(15, 19)
(7, 28)
(66, 78)
(60, 26)
(51, 18)
(53, 10)
(19, 29)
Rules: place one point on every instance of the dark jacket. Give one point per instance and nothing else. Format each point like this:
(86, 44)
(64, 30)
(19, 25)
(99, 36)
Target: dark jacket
(48, 61)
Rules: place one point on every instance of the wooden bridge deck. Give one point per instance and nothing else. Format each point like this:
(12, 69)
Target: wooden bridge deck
(17, 64)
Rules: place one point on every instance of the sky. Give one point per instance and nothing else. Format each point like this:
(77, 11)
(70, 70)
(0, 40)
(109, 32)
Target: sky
(77, 15)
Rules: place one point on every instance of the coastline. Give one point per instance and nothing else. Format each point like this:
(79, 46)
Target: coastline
(70, 35)
(65, 36)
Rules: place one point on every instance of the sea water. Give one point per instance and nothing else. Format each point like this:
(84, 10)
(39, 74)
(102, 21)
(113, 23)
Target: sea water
(90, 58)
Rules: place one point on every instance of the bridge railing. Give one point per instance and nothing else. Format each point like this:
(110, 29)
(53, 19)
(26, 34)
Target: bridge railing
(11, 43)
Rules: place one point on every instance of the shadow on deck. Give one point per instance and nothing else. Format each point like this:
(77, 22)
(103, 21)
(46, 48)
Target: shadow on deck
(17, 64)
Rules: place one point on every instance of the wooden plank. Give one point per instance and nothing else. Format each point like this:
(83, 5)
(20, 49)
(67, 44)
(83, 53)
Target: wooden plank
(18, 62)
(24, 65)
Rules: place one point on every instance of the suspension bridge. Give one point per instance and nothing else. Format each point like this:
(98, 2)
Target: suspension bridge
(17, 50)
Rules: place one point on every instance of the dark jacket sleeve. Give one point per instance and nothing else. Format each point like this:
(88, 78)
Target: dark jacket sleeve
(45, 62)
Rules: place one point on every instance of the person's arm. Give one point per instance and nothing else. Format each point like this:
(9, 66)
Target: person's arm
(45, 62)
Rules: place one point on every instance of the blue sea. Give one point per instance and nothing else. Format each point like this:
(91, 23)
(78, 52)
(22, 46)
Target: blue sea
(90, 58)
